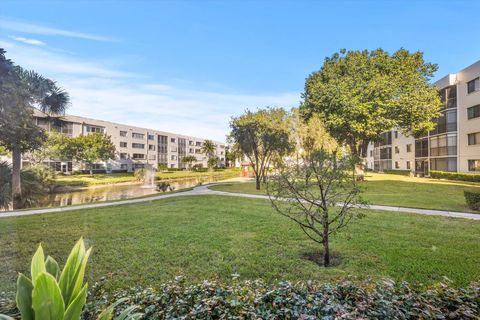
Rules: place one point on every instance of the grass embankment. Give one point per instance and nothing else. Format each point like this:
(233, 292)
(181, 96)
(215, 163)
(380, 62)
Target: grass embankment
(212, 237)
(396, 190)
(86, 180)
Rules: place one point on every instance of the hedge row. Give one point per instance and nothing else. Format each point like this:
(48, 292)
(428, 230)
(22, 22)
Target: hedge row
(472, 199)
(399, 172)
(459, 176)
(257, 300)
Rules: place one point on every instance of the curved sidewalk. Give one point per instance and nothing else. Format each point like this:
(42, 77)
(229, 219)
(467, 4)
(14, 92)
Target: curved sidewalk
(204, 190)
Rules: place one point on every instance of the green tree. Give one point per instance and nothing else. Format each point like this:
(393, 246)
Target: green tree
(232, 153)
(322, 196)
(57, 146)
(361, 94)
(92, 148)
(189, 160)
(260, 136)
(20, 91)
(209, 148)
(212, 162)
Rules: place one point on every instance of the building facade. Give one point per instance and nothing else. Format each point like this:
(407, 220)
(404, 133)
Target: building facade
(454, 144)
(135, 147)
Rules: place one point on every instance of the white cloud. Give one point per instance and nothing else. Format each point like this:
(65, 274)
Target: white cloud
(31, 28)
(111, 94)
(34, 42)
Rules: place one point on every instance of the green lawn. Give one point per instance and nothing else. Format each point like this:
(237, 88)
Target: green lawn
(211, 237)
(85, 180)
(396, 190)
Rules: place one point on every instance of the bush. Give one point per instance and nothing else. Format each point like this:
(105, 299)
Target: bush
(304, 300)
(472, 199)
(458, 176)
(399, 172)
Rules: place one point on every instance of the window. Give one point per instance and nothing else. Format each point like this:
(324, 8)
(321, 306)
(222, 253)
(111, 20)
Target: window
(421, 148)
(473, 85)
(397, 166)
(137, 135)
(172, 140)
(386, 153)
(95, 166)
(447, 122)
(43, 123)
(198, 144)
(138, 166)
(473, 112)
(173, 149)
(138, 145)
(371, 153)
(191, 143)
(151, 147)
(123, 144)
(473, 138)
(409, 148)
(396, 134)
(444, 164)
(408, 165)
(397, 149)
(173, 157)
(191, 150)
(124, 166)
(443, 145)
(138, 156)
(474, 165)
(198, 150)
(151, 137)
(162, 139)
(123, 156)
(448, 96)
(123, 133)
(94, 129)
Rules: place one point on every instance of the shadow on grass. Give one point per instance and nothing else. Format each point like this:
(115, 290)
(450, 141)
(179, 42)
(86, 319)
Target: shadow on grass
(317, 258)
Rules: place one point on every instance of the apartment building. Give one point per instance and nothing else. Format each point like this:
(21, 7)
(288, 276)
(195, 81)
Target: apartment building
(454, 144)
(135, 147)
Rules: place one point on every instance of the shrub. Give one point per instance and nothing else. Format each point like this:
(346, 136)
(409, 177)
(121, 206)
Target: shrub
(472, 199)
(399, 172)
(304, 300)
(139, 174)
(459, 176)
(164, 186)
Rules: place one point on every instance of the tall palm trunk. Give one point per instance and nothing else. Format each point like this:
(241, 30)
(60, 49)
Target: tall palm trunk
(16, 181)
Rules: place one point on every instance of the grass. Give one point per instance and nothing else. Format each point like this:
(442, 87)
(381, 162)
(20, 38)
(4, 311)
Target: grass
(211, 237)
(396, 190)
(86, 180)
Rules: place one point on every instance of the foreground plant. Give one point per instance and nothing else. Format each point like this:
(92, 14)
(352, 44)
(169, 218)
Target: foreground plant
(51, 294)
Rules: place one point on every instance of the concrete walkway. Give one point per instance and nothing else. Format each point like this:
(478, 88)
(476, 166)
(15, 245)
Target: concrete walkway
(204, 190)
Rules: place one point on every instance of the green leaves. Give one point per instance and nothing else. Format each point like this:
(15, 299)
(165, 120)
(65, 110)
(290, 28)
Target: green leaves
(47, 300)
(55, 295)
(24, 297)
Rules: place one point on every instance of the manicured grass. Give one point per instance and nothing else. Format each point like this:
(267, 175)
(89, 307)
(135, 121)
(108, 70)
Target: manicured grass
(211, 237)
(396, 190)
(85, 180)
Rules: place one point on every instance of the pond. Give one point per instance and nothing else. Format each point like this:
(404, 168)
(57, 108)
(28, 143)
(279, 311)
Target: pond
(115, 192)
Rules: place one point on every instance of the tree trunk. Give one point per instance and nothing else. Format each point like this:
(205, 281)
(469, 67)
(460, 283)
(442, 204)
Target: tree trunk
(257, 181)
(326, 249)
(16, 181)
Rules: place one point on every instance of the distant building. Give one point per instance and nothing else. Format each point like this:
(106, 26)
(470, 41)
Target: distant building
(135, 147)
(454, 145)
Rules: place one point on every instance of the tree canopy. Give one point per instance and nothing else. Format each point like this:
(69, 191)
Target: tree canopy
(92, 148)
(261, 135)
(361, 94)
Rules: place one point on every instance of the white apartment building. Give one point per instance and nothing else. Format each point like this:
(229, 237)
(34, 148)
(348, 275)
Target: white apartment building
(454, 145)
(135, 147)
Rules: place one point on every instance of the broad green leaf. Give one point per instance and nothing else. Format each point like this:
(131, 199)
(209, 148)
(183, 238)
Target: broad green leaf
(74, 310)
(80, 274)
(38, 264)
(4, 317)
(127, 313)
(47, 298)
(68, 278)
(24, 297)
(107, 314)
(52, 267)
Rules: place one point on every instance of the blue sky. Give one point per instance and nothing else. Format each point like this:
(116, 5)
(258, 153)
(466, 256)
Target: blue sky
(188, 66)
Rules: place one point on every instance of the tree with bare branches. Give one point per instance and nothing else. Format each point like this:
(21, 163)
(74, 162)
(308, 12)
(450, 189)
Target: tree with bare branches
(318, 193)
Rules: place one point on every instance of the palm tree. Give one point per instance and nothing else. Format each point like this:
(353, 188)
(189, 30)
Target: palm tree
(209, 148)
(21, 91)
(188, 160)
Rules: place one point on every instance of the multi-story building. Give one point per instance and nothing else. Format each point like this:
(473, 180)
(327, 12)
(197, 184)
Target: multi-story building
(135, 147)
(454, 144)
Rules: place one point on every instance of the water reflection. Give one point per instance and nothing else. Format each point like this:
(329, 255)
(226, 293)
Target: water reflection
(114, 192)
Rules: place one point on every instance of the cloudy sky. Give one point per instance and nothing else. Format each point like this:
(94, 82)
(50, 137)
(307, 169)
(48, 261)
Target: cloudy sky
(188, 66)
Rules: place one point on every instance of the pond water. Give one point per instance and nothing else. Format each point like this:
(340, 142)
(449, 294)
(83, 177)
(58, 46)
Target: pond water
(115, 192)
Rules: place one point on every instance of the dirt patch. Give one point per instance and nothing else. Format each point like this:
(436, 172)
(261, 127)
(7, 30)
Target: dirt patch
(317, 258)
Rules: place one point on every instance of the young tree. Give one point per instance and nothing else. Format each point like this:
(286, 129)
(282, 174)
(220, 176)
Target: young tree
(209, 149)
(261, 135)
(20, 92)
(55, 147)
(318, 193)
(189, 160)
(361, 94)
(92, 148)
